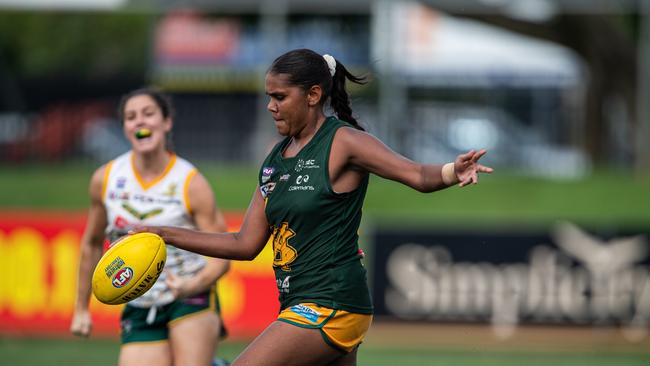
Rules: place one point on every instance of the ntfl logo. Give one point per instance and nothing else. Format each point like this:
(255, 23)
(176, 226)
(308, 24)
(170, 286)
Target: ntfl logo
(122, 277)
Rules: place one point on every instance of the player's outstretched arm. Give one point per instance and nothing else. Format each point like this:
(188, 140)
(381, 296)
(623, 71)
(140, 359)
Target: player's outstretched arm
(363, 150)
(243, 245)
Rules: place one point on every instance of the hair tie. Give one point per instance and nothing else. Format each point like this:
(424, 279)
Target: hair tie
(331, 64)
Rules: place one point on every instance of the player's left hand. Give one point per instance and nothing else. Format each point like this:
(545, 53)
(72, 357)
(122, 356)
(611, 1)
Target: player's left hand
(467, 168)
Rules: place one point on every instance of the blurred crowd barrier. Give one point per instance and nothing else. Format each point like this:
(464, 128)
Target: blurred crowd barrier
(40, 251)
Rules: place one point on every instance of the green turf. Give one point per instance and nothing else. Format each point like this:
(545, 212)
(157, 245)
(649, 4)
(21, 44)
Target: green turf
(37, 352)
(601, 199)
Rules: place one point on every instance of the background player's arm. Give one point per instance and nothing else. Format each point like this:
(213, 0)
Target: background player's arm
(92, 245)
(358, 148)
(208, 218)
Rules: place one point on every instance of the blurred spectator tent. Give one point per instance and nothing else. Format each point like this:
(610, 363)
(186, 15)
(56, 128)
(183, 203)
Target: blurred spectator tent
(441, 84)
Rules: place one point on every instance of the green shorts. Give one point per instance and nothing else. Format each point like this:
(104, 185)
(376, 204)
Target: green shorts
(135, 328)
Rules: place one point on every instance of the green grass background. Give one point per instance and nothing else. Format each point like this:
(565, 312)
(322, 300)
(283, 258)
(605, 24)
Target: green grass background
(38, 352)
(502, 200)
(605, 198)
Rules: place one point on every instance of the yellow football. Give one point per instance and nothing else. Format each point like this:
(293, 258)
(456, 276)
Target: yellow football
(129, 268)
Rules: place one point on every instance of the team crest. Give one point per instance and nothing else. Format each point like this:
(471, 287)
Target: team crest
(171, 190)
(283, 253)
(299, 165)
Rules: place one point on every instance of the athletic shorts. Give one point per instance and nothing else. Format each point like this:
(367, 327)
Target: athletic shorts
(340, 329)
(152, 325)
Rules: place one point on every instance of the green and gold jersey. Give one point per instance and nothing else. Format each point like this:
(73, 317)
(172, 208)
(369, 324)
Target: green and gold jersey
(314, 229)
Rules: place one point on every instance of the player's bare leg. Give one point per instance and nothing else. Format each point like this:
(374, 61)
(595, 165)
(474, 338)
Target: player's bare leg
(145, 354)
(283, 344)
(194, 339)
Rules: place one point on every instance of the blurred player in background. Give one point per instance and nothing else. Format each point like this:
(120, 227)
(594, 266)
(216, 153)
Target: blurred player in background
(177, 322)
(311, 190)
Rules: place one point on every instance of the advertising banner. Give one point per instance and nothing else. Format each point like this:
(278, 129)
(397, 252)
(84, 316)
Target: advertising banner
(39, 252)
(563, 276)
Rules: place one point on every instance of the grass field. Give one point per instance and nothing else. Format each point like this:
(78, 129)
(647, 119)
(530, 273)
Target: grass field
(389, 344)
(502, 199)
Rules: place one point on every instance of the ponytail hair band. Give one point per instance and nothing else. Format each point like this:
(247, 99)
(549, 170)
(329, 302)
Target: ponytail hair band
(331, 64)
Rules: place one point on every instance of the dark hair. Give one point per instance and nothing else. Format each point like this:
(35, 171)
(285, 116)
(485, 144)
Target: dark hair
(307, 68)
(162, 100)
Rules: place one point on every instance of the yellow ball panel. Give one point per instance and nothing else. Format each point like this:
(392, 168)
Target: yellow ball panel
(129, 268)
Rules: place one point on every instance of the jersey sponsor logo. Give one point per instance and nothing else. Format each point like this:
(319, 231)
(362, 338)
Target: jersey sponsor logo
(122, 277)
(141, 215)
(302, 178)
(285, 177)
(306, 312)
(283, 253)
(161, 201)
(299, 181)
(126, 196)
(283, 285)
(122, 196)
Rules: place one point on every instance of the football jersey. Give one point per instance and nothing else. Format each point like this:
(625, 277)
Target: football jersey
(314, 229)
(130, 201)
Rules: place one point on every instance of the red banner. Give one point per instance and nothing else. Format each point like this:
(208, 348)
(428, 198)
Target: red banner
(39, 254)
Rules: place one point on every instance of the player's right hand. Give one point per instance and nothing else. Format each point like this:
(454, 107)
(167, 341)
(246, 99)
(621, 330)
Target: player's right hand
(82, 323)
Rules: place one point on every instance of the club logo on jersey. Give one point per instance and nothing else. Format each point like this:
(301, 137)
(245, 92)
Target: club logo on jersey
(311, 164)
(283, 253)
(299, 165)
(122, 277)
(141, 215)
(121, 182)
(171, 190)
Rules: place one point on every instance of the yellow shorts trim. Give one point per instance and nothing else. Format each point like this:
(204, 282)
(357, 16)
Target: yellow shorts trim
(340, 329)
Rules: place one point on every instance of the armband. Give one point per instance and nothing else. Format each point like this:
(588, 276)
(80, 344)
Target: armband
(449, 174)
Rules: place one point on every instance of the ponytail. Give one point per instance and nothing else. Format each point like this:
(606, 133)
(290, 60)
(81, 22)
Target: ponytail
(339, 98)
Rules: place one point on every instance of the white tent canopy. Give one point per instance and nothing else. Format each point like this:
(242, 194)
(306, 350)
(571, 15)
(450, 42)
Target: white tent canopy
(430, 48)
